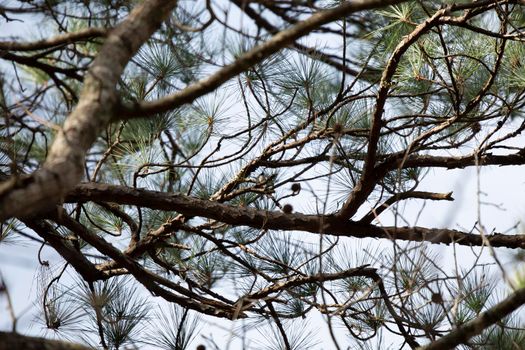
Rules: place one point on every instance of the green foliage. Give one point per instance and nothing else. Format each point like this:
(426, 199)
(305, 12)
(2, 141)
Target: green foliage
(175, 329)
(116, 309)
(299, 337)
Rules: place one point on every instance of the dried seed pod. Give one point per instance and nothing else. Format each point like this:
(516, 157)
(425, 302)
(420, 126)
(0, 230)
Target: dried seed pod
(437, 298)
(296, 187)
(475, 127)
(337, 128)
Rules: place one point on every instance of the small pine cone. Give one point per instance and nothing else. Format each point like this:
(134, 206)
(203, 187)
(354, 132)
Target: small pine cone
(338, 128)
(287, 208)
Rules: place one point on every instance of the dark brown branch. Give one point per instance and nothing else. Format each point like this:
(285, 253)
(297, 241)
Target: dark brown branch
(149, 280)
(35, 63)
(301, 280)
(11, 341)
(275, 220)
(423, 161)
(79, 262)
(367, 181)
(397, 319)
(394, 161)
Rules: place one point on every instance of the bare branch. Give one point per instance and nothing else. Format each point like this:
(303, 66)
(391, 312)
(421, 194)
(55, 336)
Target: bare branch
(403, 196)
(275, 220)
(59, 40)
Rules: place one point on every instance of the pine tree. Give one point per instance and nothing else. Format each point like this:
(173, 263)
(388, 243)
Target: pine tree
(256, 165)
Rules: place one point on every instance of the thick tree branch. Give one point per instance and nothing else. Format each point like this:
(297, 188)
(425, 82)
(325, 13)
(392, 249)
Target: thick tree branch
(80, 263)
(11, 341)
(395, 161)
(424, 161)
(65, 163)
(275, 220)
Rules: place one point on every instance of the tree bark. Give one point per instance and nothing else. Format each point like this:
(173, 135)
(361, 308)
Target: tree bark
(64, 166)
(14, 341)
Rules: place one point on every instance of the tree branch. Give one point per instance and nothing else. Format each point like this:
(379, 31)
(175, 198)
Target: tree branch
(80, 263)
(310, 51)
(149, 280)
(10, 341)
(276, 220)
(248, 59)
(476, 326)
(58, 40)
(402, 196)
(395, 161)
(367, 181)
(64, 166)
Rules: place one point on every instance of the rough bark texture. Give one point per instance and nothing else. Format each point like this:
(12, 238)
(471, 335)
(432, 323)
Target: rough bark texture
(63, 169)
(14, 341)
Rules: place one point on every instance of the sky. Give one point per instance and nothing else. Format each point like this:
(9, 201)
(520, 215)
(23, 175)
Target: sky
(499, 199)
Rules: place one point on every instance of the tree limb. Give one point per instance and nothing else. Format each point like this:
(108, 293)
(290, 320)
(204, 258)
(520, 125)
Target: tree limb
(64, 165)
(248, 59)
(11, 341)
(476, 326)
(402, 196)
(276, 220)
(58, 40)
